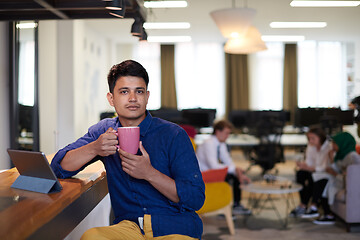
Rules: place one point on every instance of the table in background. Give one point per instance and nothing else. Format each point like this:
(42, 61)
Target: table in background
(31, 215)
(257, 190)
(246, 140)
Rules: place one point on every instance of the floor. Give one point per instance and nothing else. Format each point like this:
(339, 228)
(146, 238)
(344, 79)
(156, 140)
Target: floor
(266, 224)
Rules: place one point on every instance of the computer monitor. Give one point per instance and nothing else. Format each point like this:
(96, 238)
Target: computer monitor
(199, 117)
(169, 114)
(305, 117)
(239, 118)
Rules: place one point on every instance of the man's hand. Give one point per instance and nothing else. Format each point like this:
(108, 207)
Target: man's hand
(137, 166)
(242, 176)
(105, 145)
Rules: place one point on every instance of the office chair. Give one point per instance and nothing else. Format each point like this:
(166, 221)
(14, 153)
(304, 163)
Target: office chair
(269, 151)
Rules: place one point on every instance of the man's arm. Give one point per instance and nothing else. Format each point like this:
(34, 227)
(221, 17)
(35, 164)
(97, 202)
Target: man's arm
(105, 145)
(140, 167)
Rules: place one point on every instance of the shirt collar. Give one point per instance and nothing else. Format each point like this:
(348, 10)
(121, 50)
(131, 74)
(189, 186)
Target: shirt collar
(144, 125)
(216, 139)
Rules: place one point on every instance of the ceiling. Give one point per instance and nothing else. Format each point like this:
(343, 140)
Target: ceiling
(64, 9)
(343, 23)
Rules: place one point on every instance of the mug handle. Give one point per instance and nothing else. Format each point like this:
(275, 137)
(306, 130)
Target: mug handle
(117, 146)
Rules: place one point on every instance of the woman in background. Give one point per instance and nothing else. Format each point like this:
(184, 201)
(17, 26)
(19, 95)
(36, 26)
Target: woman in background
(316, 160)
(344, 146)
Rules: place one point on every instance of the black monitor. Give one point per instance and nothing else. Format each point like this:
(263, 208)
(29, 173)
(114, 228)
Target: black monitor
(239, 118)
(305, 117)
(199, 117)
(169, 114)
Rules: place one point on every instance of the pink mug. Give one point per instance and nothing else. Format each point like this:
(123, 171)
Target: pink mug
(129, 138)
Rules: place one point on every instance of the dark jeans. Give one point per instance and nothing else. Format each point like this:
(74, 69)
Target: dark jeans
(234, 181)
(318, 199)
(304, 178)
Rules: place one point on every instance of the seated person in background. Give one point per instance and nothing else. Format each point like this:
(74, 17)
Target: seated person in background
(316, 160)
(344, 146)
(214, 154)
(355, 105)
(154, 193)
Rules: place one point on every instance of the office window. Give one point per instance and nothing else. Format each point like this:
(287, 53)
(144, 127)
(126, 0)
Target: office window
(266, 78)
(199, 76)
(148, 54)
(321, 75)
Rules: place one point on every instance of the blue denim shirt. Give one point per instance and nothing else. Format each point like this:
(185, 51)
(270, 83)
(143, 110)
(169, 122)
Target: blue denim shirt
(171, 153)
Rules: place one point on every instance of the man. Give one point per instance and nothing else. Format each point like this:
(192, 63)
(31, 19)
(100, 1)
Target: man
(155, 193)
(214, 154)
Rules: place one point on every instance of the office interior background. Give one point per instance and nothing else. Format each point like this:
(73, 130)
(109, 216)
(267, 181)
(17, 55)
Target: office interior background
(74, 57)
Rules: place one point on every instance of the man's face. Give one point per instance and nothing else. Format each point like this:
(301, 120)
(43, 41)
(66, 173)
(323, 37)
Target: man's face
(129, 99)
(223, 135)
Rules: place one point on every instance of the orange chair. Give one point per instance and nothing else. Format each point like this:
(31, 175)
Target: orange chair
(357, 148)
(218, 196)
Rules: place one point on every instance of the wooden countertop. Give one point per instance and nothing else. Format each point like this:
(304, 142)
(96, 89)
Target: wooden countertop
(24, 213)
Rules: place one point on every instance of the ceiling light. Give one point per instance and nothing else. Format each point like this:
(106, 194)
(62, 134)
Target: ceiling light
(236, 25)
(249, 43)
(165, 4)
(26, 25)
(233, 20)
(166, 25)
(282, 38)
(304, 3)
(115, 4)
(298, 24)
(136, 27)
(169, 39)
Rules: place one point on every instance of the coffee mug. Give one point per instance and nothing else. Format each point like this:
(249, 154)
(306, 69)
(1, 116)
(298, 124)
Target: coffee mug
(129, 138)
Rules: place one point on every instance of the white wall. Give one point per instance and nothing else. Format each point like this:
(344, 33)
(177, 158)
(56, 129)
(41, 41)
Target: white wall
(357, 67)
(90, 75)
(4, 96)
(73, 67)
(48, 86)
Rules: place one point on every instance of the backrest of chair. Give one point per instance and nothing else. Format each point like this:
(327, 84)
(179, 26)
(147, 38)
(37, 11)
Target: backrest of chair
(214, 175)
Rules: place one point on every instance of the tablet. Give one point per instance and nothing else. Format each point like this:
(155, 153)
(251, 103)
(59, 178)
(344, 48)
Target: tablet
(35, 172)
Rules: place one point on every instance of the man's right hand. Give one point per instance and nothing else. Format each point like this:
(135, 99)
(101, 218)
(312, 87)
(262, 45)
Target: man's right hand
(105, 145)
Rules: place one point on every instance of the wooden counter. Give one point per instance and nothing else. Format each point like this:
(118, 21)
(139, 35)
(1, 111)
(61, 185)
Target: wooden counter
(30, 215)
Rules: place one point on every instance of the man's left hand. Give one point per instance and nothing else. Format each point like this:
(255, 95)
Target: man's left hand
(137, 166)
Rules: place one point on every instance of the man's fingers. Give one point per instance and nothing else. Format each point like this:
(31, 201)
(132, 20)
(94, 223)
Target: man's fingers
(110, 129)
(142, 149)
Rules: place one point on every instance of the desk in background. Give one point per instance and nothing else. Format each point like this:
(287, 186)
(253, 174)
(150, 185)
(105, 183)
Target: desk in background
(30, 215)
(245, 140)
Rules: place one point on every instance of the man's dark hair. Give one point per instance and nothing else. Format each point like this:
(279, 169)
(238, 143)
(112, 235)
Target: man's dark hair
(220, 125)
(126, 68)
(318, 131)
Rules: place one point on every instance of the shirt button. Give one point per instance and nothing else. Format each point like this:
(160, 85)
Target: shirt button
(195, 175)
(145, 209)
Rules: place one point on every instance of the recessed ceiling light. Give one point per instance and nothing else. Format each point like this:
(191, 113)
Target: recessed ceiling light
(298, 24)
(169, 39)
(282, 38)
(166, 25)
(304, 3)
(165, 4)
(26, 25)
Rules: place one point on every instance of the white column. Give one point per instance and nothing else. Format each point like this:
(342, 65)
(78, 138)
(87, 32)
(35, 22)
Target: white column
(48, 86)
(4, 96)
(65, 84)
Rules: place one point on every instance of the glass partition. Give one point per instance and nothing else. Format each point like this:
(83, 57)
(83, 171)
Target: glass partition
(24, 101)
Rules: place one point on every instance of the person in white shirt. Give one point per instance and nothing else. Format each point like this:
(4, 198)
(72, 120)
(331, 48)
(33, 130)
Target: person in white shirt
(317, 158)
(213, 153)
